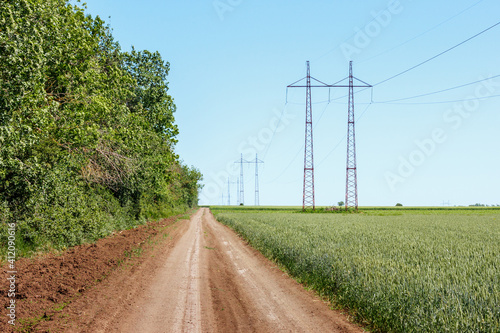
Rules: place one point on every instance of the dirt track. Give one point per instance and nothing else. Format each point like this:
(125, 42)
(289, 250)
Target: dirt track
(203, 278)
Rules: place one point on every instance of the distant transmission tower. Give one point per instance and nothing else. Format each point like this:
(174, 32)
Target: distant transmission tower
(241, 200)
(257, 161)
(229, 183)
(238, 191)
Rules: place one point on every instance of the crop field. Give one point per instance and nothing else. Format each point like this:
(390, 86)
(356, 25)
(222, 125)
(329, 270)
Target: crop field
(398, 270)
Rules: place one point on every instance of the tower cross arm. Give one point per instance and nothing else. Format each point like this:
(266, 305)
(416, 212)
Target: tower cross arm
(320, 85)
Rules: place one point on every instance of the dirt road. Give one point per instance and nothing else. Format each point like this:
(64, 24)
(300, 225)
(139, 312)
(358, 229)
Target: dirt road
(204, 279)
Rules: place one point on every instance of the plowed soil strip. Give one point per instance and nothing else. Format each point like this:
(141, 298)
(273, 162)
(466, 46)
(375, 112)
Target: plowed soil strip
(49, 282)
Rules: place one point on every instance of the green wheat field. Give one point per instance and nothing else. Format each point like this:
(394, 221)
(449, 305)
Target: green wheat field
(394, 269)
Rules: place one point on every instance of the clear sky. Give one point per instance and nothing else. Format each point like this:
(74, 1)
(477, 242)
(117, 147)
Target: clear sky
(231, 61)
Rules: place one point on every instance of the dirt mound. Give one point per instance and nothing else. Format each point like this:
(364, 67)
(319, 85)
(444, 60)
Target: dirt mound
(45, 285)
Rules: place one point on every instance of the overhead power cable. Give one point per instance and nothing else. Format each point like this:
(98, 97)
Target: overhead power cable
(425, 61)
(274, 131)
(423, 33)
(377, 16)
(343, 138)
(301, 147)
(439, 91)
(446, 102)
(438, 55)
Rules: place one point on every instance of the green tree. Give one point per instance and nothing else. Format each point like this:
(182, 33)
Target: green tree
(87, 132)
(151, 91)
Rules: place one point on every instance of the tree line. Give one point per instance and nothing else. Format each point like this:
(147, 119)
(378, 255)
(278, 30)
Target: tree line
(87, 132)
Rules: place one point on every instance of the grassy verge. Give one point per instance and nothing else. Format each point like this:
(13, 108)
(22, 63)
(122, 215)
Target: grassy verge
(29, 244)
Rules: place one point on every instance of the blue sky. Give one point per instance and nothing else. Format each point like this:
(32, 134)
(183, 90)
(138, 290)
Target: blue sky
(231, 61)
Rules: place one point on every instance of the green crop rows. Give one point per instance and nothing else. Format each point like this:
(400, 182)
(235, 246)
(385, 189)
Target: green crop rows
(396, 270)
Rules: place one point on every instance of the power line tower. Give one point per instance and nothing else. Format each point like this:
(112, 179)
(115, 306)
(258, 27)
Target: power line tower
(257, 161)
(241, 199)
(308, 184)
(229, 183)
(351, 174)
(308, 188)
(351, 187)
(238, 191)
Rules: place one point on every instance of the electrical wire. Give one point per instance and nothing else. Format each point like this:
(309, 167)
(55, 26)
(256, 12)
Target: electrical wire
(286, 168)
(397, 75)
(300, 150)
(421, 34)
(438, 92)
(437, 55)
(445, 102)
(425, 61)
(275, 129)
(321, 115)
(343, 138)
(375, 18)
(314, 103)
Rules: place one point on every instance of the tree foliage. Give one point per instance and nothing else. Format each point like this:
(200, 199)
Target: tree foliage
(87, 131)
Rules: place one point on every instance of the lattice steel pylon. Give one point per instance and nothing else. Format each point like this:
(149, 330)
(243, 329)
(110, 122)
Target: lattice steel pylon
(308, 184)
(351, 183)
(238, 191)
(228, 193)
(351, 192)
(257, 161)
(229, 183)
(308, 188)
(241, 190)
(351, 186)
